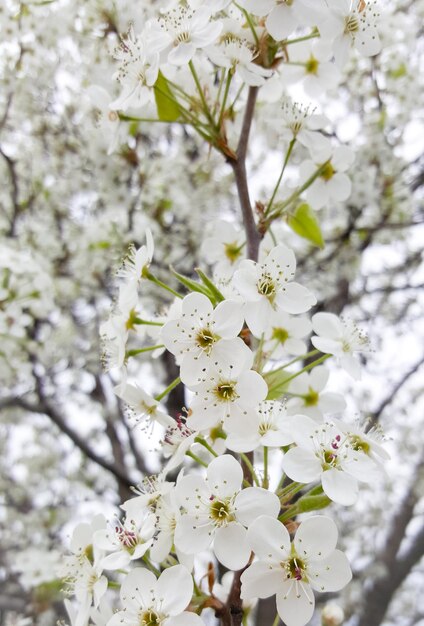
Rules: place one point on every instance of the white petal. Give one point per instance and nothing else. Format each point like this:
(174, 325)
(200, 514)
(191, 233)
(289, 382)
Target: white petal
(231, 547)
(301, 465)
(259, 581)
(253, 502)
(245, 280)
(225, 476)
(331, 574)
(316, 537)
(228, 317)
(340, 486)
(175, 586)
(137, 587)
(269, 539)
(295, 603)
(253, 387)
(184, 619)
(192, 535)
(295, 298)
(257, 314)
(189, 489)
(195, 305)
(280, 22)
(328, 325)
(181, 54)
(116, 560)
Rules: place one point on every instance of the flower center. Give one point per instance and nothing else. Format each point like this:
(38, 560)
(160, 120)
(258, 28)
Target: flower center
(311, 398)
(127, 538)
(220, 512)
(296, 568)
(329, 458)
(280, 334)
(183, 37)
(351, 24)
(328, 172)
(149, 618)
(89, 553)
(232, 251)
(311, 65)
(226, 391)
(131, 320)
(205, 339)
(358, 444)
(266, 285)
(265, 427)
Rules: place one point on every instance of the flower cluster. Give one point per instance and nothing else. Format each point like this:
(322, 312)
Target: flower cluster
(255, 398)
(242, 396)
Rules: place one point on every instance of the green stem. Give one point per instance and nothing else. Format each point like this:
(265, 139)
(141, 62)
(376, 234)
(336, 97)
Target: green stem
(251, 468)
(297, 193)
(249, 21)
(169, 388)
(201, 94)
(147, 274)
(288, 42)
(291, 512)
(290, 490)
(137, 320)
(131, 353)
(150, 566)
(308, 367)
(196, 458)
(298, 358)
(286, 160)
(265, 482)
(205, 445)
(224, 100)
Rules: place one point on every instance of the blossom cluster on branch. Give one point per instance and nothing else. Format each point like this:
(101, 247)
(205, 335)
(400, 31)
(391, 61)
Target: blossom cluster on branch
(251, 359)
(229, 335)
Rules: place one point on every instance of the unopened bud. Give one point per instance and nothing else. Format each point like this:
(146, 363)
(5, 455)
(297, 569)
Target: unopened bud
(332, 615)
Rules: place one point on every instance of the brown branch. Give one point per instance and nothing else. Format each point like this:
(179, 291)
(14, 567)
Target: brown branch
(375, 416)
(239, 167)
(379, 594)
(45, 409)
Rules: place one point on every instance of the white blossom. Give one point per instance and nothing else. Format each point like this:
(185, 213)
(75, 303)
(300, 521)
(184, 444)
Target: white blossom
(341, 338)
(268, 287)
(156, 601)
(331, 453)
(218, 511)
(292, 571)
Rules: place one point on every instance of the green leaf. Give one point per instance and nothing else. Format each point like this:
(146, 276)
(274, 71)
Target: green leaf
(167, 106)
(276, 382)
(312, 503)
(191, 284)
(210, 285)
(305, 223)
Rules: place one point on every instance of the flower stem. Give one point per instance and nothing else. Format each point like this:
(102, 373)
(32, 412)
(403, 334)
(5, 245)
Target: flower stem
(205, 444)
(131, 353)
(169, 388)
(286, 160)
(308, 367)
(201, 94)
(278, 212)
(147, 274)
(196, 458)
(265, 482)
(298, 358)
(247, 461)
(224, 100)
